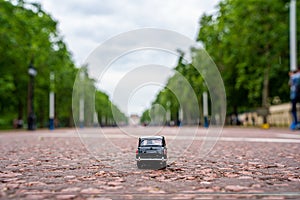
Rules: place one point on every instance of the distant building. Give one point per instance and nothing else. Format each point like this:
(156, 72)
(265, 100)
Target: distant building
(134, 120)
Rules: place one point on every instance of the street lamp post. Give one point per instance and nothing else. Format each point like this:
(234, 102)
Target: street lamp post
(180, 115)
(293, 36)
(81, 100)
(51, 102)
(168, 114)
(31, 116)
(205, 109)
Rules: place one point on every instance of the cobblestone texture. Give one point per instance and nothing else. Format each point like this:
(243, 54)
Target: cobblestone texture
(47, 165)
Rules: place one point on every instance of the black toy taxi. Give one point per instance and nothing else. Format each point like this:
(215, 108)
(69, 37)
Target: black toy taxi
(152, 152)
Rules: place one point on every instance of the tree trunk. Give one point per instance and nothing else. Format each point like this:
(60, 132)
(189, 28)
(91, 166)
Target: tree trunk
(20, 109)
(265, 91)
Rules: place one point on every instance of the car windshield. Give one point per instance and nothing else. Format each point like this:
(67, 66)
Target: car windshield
(149, 142)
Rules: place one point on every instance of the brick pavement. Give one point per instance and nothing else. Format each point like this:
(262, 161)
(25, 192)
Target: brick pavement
(45, 164)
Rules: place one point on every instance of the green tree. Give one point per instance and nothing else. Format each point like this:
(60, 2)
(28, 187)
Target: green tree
(108, 113)
(30, 35)
(182, 92)
(248, 40)
(25, 35)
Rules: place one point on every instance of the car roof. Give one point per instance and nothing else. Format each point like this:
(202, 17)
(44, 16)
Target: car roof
(151, 137)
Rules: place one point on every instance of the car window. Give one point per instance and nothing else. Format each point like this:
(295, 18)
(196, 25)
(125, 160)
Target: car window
(147, 142)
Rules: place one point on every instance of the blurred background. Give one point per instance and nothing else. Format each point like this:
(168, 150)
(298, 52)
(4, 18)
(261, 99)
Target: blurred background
(248, 40)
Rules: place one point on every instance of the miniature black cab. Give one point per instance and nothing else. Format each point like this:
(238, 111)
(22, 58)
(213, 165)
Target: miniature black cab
(152, 152)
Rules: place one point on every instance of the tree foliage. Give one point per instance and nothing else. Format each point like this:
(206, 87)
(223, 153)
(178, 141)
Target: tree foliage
(29, 34)
(181, 94)
(249, 42)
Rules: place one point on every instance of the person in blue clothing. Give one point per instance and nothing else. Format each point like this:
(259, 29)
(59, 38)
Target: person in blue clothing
(294, 83)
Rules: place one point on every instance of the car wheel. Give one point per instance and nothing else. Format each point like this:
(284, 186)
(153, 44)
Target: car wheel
(139, 165)
(164, 165)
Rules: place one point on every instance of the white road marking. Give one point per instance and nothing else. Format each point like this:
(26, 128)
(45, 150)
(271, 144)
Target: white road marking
(288, 135)
(274, 140)
(223, 139)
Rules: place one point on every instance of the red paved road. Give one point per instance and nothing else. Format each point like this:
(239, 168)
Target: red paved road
(249, 163)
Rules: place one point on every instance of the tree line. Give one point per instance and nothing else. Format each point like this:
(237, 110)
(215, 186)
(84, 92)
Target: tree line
(249, 42)
(29, 35)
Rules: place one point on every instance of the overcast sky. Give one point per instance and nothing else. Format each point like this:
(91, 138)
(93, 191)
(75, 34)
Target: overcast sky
(86, 24)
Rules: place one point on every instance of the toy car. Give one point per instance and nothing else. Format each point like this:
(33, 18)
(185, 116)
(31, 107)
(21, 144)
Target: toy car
(152, 152)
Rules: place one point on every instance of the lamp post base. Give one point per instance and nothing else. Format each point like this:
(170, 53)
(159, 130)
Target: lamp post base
(81, 124)
(32, 122)
(206, 122)
(51, 124)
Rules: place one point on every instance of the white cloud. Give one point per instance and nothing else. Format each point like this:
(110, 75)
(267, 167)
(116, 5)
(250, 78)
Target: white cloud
(98, 20)
(136, 65)
(85, 24)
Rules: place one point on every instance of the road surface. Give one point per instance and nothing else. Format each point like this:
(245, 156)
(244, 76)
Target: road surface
(95, 163)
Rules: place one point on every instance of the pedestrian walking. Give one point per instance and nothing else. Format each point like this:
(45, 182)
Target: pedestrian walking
(294, 83)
